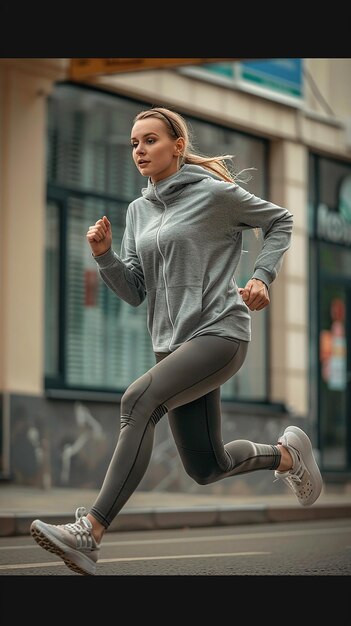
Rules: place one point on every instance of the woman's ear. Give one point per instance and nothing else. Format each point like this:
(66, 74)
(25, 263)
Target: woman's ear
(179, 147)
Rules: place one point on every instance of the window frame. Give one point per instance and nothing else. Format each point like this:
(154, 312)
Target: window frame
(56, 193)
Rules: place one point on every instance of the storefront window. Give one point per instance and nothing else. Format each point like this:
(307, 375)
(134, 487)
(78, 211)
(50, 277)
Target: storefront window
(104, 343)
(330, 308)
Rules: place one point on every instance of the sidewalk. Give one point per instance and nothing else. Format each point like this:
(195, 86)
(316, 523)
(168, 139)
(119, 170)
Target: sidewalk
(19, 505)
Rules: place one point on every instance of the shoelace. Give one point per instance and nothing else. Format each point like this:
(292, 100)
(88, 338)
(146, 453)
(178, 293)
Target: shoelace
(295, 477)
(292, 477)
(80, 526)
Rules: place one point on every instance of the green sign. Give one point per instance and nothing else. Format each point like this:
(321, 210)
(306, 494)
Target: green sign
(282, 77)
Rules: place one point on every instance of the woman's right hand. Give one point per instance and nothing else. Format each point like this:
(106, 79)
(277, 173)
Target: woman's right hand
(99, 236)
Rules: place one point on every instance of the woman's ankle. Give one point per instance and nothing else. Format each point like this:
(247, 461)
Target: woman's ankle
(98, 528)
(286, 460)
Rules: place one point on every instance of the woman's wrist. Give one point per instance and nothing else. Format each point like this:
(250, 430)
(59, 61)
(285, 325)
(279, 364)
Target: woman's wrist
(261, 281)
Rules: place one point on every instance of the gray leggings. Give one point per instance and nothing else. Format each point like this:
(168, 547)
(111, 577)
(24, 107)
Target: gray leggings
(186, 385)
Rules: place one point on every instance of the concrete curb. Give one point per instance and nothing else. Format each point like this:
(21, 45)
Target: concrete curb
(163, 518)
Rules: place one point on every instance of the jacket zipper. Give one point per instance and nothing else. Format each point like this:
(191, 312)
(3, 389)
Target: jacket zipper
(164, 265)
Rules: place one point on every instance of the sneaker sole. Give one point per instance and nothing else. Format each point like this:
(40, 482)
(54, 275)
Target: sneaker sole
(304, 445)
(54, 545)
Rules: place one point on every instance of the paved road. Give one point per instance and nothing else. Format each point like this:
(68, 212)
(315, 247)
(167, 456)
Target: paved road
(312, 548)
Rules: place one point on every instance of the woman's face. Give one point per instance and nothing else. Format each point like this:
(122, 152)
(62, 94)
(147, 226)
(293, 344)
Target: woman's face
(155, 153)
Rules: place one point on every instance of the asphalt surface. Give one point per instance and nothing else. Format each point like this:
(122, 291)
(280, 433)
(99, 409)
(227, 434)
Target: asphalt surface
(20, 505)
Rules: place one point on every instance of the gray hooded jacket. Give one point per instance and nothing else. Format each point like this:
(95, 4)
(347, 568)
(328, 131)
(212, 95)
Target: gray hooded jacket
(180, 249)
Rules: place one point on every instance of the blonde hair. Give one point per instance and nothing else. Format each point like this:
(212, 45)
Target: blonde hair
(177, 127)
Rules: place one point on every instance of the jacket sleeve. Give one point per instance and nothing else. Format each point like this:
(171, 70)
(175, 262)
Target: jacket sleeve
(275, 222)
(123, 273)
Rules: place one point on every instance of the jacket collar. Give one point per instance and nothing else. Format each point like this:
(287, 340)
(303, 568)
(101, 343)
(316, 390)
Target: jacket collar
(170, 187)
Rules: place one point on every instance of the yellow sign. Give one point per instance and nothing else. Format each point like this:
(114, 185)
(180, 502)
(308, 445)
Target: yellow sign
(86, 68)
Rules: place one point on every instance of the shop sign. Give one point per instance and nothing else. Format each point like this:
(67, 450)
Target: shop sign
(335, 226)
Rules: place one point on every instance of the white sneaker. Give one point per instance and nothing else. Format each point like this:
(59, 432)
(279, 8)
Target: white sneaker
(74, 543)
(304, 478)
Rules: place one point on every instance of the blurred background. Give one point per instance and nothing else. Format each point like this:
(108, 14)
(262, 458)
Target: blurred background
(69, 347)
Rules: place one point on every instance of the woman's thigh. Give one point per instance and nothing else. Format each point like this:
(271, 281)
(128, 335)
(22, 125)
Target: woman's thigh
(196, 424)
(196, 368)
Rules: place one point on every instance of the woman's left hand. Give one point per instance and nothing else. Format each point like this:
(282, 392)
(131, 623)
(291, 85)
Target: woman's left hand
(255, 294)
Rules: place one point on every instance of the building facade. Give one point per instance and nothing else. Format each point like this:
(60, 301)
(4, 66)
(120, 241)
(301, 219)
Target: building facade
(70, 347)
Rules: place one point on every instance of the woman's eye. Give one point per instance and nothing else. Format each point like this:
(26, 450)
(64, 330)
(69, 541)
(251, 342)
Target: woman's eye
(135, 144)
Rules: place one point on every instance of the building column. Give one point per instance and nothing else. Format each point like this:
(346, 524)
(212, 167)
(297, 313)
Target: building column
(289, 294)
(24, 88)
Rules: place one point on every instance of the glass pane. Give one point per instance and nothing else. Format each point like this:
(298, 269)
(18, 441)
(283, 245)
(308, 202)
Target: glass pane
(333, 366)
(89, 142)
(52, 260)
(107, 344)
(335, 261)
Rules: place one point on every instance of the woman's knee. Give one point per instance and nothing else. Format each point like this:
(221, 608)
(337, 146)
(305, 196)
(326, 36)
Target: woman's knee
(202, 479)
(134, 392)
(202, 472)
(139, 404)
